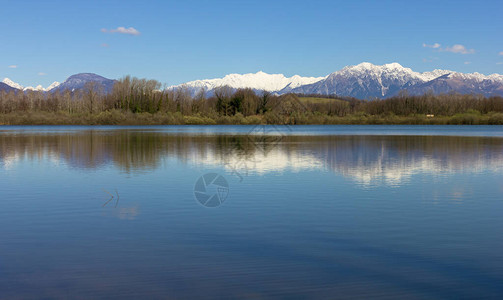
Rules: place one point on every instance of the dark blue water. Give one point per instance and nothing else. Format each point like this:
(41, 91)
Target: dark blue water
(297, 212)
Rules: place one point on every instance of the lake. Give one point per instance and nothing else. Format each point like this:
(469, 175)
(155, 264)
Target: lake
(189, 212)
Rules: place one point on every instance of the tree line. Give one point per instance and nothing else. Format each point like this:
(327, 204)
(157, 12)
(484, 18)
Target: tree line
(133, 96)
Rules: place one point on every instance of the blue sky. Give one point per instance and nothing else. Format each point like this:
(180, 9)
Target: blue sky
(178, 41)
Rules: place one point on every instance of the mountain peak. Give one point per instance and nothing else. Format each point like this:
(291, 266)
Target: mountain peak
(394, 65)
(78, 81)
(13, 84)
(363, 65)
(86, 76)
(359, 67)
(53, 85)
(366, 67)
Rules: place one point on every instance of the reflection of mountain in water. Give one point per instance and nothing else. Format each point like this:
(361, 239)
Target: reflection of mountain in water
(391, 159)
(366, 159)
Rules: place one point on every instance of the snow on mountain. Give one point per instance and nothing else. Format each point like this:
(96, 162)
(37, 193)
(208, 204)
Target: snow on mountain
(39, 88)
(255, 81)
(13, 84)
(55, 84)
(474, 83)
(427, 76)
(363, 81)
(367, 81)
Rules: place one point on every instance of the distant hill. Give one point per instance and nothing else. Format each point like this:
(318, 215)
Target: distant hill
(78, 82)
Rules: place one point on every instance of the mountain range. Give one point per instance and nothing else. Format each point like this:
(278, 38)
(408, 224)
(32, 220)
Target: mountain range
(256, 81)
(72, 83)
(363, 81)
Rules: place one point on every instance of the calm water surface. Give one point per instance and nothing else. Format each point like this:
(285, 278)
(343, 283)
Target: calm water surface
(310, 212)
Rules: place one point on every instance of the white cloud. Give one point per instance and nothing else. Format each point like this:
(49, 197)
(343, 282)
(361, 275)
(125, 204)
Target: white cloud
(434, 46)
(122, 30)
(501, 53)
(467, 62)
(500, 63)
(41, 74)
(105, 45)
(12, 66)
(458, 49)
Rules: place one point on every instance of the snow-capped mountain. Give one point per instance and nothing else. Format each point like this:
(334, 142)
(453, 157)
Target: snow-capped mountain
(366, 81)
(256, 81)
(13, 84)
(363, 81)
(474, 83)
(39, 88)
(54, 85)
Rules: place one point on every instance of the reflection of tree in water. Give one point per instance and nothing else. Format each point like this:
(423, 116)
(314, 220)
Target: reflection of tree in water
(362, 157)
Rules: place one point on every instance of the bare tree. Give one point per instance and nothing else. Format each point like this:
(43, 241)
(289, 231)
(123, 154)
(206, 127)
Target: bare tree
(92, 90)
(223, 95)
